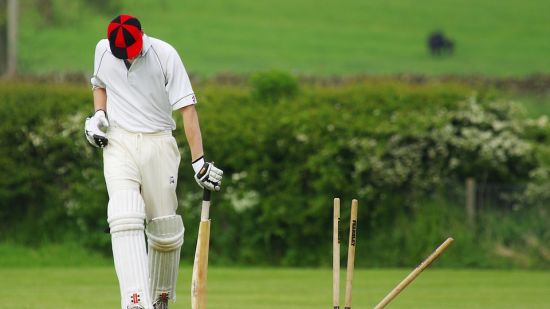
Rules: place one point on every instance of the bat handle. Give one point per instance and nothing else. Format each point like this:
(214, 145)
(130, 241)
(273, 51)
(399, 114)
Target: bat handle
(206, 195)
(205, 211)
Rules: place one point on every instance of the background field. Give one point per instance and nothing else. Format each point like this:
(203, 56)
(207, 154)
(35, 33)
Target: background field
(308, 36)
(253, 288)
(82, 280)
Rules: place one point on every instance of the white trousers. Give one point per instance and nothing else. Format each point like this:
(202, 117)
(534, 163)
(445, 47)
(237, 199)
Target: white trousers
(141, 172)
(146, 162)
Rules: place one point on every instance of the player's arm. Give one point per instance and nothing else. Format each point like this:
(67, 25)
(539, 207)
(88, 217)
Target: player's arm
(100, 99)
(206, 174)
(192, 131)
(96, 123)
(93, 128)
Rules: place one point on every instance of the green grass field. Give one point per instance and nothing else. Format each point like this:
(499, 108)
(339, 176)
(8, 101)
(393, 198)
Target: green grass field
(310, 37)
(250, 288)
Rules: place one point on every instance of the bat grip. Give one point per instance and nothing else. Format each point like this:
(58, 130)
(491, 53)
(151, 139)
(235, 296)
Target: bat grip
(205, 212)
(206, 195)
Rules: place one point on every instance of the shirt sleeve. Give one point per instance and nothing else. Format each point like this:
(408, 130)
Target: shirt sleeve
(96, 81)
(178, 85)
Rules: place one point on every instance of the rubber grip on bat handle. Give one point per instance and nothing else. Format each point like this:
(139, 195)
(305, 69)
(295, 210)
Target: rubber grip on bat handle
(206, 195)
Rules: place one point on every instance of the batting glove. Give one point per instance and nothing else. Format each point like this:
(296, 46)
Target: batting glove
(207, 175)
(93, 129)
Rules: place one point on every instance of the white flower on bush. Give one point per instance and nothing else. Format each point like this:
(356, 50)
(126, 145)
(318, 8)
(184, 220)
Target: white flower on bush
(301, 137)
(236, 177)
(72, 124)
(537, 192)
(241, 200)
(36, 139)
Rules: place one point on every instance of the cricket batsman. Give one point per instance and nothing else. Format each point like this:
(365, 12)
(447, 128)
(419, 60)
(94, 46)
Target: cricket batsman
(137, 82)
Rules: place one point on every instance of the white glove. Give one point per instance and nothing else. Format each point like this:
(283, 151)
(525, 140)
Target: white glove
(93, 129)
(207, 175)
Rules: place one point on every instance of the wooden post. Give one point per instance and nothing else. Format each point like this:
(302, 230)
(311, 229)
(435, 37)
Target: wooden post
(351, 253)
(471, 200)
(12, 22)
(336, 255)
(3, 36)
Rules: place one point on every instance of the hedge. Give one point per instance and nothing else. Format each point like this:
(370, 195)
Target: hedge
(285, 156)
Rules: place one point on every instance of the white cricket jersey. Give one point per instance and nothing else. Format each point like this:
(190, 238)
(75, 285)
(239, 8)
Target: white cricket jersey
(142, 98)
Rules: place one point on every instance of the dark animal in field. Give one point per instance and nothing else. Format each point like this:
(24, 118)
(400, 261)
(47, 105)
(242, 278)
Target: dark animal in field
(439, 44)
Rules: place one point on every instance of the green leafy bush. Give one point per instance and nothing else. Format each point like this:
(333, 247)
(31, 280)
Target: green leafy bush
(273, 86)
(391, 145)
(51, 177)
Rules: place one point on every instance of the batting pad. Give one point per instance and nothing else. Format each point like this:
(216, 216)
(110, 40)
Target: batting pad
(125, 214)
(165, 238)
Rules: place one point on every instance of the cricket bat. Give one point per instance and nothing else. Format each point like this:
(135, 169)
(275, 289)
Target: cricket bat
(200, 265)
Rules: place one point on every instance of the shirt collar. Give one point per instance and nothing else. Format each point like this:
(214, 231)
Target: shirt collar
(146, 44)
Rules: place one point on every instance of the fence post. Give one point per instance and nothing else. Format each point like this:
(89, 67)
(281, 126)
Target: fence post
(12, 24)
(470, 200)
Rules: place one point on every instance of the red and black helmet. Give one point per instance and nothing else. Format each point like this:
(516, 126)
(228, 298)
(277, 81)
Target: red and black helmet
(125, 36)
